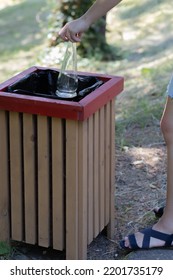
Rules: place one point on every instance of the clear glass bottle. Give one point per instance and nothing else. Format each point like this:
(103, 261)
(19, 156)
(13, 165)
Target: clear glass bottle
(67, 82)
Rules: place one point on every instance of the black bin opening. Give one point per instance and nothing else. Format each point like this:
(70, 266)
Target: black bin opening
(43, 83)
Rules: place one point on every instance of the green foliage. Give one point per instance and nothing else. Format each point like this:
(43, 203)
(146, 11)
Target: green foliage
(142, 113)
(5, 249)
(93, 42)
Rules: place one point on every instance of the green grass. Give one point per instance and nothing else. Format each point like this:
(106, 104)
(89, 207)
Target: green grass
(5, 250)
(21, 30)
(21, 36)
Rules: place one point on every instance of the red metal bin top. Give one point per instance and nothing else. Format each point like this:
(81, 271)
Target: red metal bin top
(81, 110)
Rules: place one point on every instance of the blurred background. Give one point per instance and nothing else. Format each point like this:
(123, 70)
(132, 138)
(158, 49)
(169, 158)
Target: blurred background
(134, 40)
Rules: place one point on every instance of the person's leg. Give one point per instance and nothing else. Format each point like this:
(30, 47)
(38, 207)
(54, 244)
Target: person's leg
(167, 130)
(165, 223)
(159, 210)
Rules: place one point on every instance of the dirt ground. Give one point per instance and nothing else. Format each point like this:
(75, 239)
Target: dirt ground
(140, 187)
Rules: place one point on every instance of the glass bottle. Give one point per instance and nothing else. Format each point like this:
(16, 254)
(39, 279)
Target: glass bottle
(67, 82)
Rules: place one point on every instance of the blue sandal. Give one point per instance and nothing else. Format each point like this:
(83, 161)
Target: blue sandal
(148, 233)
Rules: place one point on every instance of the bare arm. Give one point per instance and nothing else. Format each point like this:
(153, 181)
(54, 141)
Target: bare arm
(73, 30)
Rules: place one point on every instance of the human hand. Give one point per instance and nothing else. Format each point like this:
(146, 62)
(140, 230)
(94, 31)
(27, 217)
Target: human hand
(73, 30)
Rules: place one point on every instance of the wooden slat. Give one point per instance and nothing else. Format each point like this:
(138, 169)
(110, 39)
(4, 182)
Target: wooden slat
(90, 181)
(4, 181)
(108, 123)
(96, 174)
(29, 149)
(16, 176)
(58, 142)
(72, 189)
(43, 182)
(82, 197)
(101, 168)
(111, 225)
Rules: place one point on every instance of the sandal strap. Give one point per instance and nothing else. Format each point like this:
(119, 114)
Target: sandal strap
(149, 232)
(132, 241)
(169, 240)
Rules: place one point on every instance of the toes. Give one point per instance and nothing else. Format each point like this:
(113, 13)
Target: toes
(126, 242)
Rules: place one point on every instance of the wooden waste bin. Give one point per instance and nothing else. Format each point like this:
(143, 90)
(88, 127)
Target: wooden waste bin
(57, 167)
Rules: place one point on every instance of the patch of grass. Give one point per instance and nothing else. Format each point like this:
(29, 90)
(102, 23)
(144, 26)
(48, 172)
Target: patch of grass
(19, 27)
(136, 9)
(5, 250)
(21, 36)
(142, 112)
